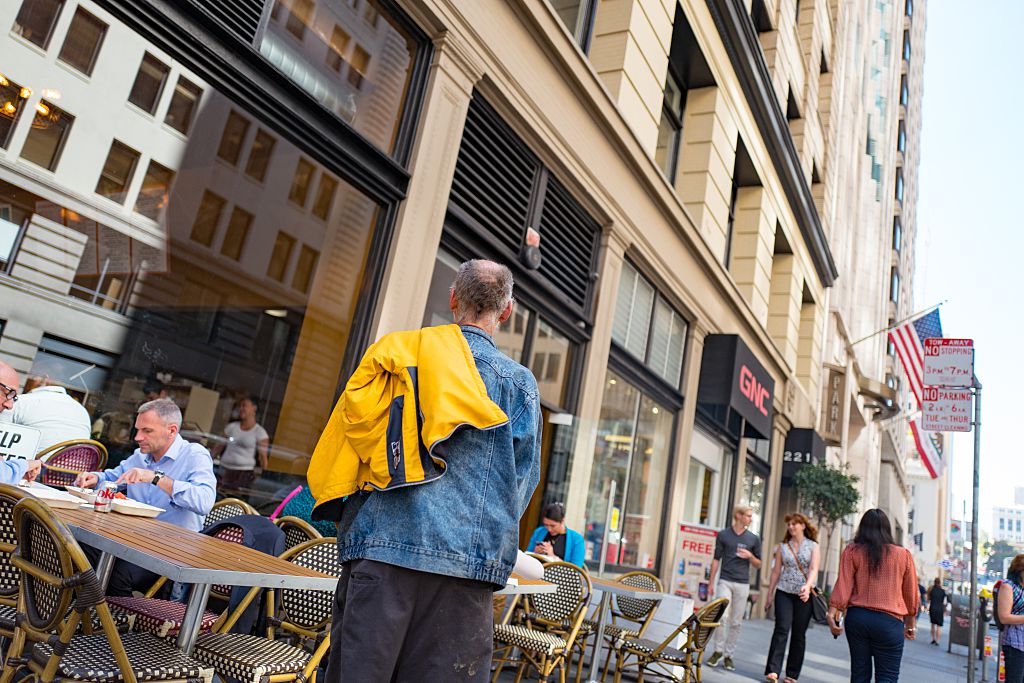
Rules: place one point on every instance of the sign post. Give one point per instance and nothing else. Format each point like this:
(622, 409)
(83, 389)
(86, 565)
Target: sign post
(948, 380)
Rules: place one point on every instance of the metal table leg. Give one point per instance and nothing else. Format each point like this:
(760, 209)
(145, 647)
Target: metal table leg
(595, 664)
(193, 619)
(104, 567)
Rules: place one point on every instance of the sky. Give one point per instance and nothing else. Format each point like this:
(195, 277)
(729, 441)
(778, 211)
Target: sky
(970, 242)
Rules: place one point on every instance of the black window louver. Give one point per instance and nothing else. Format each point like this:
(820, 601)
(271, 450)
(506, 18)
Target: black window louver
(498, 184)
(240, 17)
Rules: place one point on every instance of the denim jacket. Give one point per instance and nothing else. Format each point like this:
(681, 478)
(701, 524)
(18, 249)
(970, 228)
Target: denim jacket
(466, 523)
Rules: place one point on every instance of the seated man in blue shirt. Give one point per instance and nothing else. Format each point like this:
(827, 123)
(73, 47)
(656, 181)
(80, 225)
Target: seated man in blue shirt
(165, 471)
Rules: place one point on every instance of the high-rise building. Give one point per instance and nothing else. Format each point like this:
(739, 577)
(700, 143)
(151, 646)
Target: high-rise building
(258, 195)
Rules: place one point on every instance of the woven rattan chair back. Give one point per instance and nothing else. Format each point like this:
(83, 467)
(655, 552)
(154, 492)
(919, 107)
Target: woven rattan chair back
(705, 621)
(52, 566)
(10, 577)
(637, 609)
(571, 597)
(296, 531)
(310, 610)
(64, 461)
(226, 508)
(232, 534)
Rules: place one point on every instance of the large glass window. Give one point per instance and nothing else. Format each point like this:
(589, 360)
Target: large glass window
(360, 70)
(578, 17)
(149, 83)
(648, 328)
(12, 97)
(83, 41)
(50, 128)
(117, 172)
(633, 449)
(704, 500)
(183, 105)
(670, 130)
(755, 481)
(36, 19)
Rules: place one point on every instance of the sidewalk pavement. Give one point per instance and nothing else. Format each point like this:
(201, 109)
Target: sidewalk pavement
(828, 660)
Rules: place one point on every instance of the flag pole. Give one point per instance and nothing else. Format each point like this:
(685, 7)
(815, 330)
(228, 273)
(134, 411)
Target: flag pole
(913, 316)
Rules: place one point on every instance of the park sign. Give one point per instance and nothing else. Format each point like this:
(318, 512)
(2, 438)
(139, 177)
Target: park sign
(948, 362)
(946, 410)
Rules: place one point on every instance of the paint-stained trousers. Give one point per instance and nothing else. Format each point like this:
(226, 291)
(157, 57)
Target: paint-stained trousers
(396, 625)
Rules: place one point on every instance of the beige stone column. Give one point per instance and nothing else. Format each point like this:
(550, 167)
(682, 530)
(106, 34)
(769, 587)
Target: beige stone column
(784, 306)
(453, 74)
(629, 51)
(753, 241)
(706, 162)
(809, 347)
(681, 462)
(594, 376)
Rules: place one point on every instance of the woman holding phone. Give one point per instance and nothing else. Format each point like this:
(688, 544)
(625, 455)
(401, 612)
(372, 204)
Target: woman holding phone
(553, 539)
(877, 593)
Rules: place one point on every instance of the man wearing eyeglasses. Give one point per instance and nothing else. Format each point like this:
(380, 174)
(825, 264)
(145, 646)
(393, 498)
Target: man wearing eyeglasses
(14, 470)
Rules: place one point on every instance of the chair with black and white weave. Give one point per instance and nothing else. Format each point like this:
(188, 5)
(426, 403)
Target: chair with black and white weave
(226, 508)
(304, 614)
(296, 530)
(630, 617)
(58, 590)
(552, 625)
(661, 659)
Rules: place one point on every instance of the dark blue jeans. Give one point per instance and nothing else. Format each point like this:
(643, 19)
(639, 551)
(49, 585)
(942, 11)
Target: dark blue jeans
(1014, 664)
(875, 639)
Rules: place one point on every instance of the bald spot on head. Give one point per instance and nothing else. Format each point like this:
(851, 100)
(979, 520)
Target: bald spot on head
(8, 376)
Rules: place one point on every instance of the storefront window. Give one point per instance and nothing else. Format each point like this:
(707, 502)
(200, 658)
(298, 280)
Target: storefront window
(704, 482)
(358, 69)
(151, 263)
(633, 448)
(754, 481)
(648, 328)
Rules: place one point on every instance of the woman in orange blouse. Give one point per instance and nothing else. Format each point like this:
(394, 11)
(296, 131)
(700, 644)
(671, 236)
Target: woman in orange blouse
(877, 592)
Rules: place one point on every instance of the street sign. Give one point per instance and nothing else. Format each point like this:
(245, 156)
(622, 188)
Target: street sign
(17, 441)
(945, 564)
(948, 362)
(945, 410)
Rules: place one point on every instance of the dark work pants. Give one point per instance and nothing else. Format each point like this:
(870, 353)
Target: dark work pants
(874, 637)
(1014, 664)
(125, 577)
(393, 625)
(791, 615)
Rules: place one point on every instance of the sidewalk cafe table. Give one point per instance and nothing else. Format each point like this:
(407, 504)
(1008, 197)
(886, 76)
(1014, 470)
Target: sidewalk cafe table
(189, 557)
(608, 588)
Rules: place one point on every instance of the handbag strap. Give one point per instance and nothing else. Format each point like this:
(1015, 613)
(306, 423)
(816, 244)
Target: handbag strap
(798, 563)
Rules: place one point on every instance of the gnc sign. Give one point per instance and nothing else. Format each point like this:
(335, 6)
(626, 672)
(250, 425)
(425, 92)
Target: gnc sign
(731, 377)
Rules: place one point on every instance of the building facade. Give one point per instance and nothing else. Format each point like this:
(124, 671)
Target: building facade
(1007, 523)
(218, 200)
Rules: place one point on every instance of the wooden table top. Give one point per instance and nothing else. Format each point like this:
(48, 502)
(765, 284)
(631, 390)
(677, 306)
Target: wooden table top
(185, 555)
(527, 586)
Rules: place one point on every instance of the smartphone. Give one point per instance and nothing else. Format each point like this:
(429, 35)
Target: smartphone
(839, 623)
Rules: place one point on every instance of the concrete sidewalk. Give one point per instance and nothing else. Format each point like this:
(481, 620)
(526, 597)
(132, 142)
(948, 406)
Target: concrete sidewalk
(828, 660)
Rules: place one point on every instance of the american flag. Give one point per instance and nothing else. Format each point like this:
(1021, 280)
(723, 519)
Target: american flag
(929, 446)
(909, 341)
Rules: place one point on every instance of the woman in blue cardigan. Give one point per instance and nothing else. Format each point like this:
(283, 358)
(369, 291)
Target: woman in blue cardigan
(553, 539)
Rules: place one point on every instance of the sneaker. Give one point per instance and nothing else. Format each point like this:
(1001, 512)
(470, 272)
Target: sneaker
(714, 659)
(727, 664)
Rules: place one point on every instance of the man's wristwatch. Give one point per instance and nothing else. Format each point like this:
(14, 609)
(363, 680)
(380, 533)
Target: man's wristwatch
(157, 476)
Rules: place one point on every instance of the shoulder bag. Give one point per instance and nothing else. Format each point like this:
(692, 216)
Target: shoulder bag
(819, 608)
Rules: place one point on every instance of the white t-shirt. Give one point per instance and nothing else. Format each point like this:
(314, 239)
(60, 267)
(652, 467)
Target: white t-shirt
(56, 415)
(240, 453)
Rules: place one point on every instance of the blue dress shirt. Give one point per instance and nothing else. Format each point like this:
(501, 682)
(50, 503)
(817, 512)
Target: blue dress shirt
(190, 466)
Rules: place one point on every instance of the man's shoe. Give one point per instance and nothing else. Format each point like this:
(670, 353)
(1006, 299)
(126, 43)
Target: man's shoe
(714, 659)
(727, 664)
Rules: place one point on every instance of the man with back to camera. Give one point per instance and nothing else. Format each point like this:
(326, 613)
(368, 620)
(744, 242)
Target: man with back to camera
(737, 549)
(50, 409)
(165, 471)
(421, 562)
(16, 469)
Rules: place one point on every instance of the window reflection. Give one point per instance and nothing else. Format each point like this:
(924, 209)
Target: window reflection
(356, 65)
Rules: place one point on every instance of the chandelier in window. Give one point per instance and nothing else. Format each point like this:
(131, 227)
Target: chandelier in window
(12, 97)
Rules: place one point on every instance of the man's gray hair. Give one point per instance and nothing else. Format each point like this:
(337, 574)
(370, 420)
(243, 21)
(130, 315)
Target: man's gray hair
(482, 290)
(167, 409)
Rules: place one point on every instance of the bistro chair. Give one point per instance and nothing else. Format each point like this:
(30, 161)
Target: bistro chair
(662, 657)
(64, 461)
(296, 531)
(303, 614)
(228, 507)
(58, 587)
(551, 627)
(10, 496)
(630, 617)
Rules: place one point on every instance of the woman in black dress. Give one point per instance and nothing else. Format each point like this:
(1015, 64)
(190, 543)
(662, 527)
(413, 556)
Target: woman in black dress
(937, 610)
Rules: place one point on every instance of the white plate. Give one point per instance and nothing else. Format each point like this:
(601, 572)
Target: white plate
(85, 494)
(55, 498)
(134, 507)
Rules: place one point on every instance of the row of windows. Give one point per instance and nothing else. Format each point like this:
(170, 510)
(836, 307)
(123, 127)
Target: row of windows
(297, 15)
(1007, 524)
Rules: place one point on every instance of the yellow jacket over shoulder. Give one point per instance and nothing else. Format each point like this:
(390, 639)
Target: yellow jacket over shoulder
(411, 391)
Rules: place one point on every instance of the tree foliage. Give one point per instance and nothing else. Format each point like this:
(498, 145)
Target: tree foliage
(998, 551)
(829, 493)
